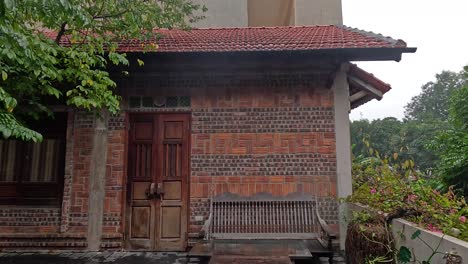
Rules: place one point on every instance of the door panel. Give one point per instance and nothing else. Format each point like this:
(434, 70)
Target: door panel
(170, 222)
(139, 190)
(173, 177)
(158, 171)
(172, 190)
(141, 214)
(140, 218)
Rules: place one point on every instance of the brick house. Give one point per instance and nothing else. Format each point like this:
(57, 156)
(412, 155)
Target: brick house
(241, 110)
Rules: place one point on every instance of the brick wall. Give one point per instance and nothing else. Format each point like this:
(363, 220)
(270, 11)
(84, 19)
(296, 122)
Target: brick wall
(265, 133)
(29, 220)
(115, 180)
(82, 142)
(250, 134)
(278, 140)
(57, 227)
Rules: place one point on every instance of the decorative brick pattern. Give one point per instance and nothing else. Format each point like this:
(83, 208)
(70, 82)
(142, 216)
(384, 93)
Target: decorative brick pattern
(114, 203)
(57, 227)
(117, 122)
(112, 241)
(198, 207)
(254, 133)
(264, 143)
(29, 220)
(84, 120)
(263, 120)
(278, 140)
(41, 240)
(307, 164)
(260, 132)
(82, 148)
(264, 99)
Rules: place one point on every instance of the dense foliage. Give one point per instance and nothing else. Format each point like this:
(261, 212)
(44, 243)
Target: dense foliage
(433, 135)
(390, 135)
(393, 187)
(451, 145)
(37, 72)
(433, 102)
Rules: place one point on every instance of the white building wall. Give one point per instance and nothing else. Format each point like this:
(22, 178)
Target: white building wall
(234, 13)
(224, 13)
(318, 12)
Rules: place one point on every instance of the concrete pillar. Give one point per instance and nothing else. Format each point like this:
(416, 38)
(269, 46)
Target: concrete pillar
(97, 181)
(343, 145)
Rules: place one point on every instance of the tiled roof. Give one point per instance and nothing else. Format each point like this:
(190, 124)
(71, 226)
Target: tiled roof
(260, 39)
(369, 78)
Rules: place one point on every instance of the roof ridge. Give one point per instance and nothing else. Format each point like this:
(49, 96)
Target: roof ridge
(395, 42)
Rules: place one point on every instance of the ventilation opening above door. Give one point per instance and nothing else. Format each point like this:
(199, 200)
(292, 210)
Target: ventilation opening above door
(159, 101)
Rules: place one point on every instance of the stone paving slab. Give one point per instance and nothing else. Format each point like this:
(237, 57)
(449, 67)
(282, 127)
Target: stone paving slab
(249, 260)
(118, 257)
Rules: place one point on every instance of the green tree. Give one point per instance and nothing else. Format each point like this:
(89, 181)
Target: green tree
(432, 103)
(383, 135)
(452, 144)
(389, 136)
(35, 70)
(415, 136)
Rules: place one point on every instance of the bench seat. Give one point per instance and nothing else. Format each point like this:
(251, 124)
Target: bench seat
(291, 223)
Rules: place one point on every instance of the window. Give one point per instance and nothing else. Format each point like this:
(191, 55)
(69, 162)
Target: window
(32, 173)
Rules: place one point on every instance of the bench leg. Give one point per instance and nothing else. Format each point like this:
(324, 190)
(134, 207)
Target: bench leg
(330, 258)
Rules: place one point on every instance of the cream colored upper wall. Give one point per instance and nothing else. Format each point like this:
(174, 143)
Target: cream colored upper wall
(318, 12)
(242, 13)
(224, 13)
(269, 13)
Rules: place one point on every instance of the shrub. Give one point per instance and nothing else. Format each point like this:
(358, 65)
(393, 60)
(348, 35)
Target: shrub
(393, 187)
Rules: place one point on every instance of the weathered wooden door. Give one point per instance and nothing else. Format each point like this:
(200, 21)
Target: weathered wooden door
(157, 190)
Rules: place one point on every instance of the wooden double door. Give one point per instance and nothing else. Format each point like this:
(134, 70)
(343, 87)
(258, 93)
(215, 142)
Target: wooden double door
(157, 185)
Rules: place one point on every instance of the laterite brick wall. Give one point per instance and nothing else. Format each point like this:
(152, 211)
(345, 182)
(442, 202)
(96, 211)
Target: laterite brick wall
(271, 133)
(278, 140)
(57, 227)
(250, 133)
(112, 232)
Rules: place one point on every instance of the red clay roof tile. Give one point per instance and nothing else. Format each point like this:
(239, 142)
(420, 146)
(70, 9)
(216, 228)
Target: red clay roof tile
(369, 78)
(259, 39)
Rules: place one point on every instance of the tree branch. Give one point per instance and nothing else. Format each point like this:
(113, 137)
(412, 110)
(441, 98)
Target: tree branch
(61, 32)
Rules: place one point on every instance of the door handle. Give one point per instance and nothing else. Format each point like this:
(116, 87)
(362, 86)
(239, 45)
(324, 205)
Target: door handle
(155, 191)
(160, 190)
(150, 192)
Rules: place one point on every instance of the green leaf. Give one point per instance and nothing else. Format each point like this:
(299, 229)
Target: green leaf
(9, 4)
(416, 234)
(140, 62)
(404, 255)
(79, 70)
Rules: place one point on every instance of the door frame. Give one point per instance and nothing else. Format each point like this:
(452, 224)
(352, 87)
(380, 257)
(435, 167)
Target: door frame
(126, 193)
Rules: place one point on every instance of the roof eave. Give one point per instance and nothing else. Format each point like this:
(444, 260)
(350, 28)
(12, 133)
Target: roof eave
(345, 54)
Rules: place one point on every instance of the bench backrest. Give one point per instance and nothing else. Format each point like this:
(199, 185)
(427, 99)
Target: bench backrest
(263, 216)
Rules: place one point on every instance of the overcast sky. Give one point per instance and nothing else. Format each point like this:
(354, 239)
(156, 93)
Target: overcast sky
(438, 28)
